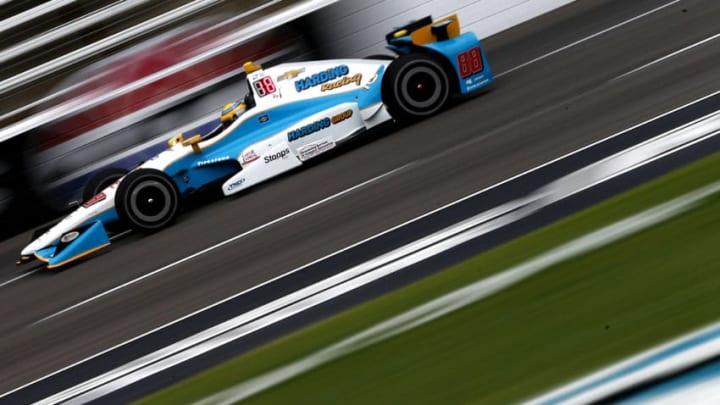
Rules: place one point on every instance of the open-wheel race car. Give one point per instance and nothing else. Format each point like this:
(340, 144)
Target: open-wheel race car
(292, 113)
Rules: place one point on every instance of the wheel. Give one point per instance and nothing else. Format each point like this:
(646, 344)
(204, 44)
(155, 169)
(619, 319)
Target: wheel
(100, 181)
(147, 200)
(415, 86)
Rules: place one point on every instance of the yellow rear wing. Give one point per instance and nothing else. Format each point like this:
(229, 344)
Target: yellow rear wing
(440, 30)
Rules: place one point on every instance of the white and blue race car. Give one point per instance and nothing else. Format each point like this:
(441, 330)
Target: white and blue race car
(292, 113)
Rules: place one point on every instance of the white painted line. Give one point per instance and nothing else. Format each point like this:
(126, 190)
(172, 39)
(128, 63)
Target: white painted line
(358, 243)
(702, 391)
(330, 288)
(639, 155)
(580, 41)
(20, 277)
(671, 55)
(223, 243)
(463, 297)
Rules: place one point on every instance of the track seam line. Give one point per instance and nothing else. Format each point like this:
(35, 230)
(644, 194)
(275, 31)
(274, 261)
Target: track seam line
(670, 55)
(593, 36)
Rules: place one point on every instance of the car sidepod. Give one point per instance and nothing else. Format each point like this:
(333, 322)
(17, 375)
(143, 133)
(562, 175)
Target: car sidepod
(289, 148)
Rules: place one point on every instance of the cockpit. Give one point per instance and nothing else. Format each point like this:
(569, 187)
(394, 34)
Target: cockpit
(231, 112)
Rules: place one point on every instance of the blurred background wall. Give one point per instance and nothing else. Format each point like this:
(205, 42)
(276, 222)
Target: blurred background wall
(93, 88)
(356, 28)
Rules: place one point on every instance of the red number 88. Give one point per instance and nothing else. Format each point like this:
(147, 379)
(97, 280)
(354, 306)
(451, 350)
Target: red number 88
(470, 62)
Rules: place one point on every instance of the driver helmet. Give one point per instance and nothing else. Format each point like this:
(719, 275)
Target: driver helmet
(231, 111)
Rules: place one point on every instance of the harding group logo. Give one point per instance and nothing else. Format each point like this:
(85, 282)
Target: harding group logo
(316, 126)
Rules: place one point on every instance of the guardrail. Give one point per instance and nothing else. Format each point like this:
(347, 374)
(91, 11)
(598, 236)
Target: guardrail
(68, 29)
(235, 38)
(105, 44)
(31, 14)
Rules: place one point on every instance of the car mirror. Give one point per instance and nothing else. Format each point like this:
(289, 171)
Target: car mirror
(193, 142)
(175, 140)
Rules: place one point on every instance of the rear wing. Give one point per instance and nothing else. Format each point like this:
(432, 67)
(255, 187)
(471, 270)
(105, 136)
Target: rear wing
(424, 31)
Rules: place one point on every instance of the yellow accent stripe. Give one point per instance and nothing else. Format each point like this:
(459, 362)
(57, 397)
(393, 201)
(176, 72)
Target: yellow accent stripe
(80, 256)
(42, 259)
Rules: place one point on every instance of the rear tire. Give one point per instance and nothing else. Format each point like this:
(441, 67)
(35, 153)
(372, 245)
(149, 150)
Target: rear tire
(415, 86)
(147, 200)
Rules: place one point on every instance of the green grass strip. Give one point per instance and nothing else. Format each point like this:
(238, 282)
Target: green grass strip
(569, 320)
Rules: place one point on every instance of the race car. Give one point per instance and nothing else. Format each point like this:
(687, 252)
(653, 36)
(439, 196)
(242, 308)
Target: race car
(292, 113)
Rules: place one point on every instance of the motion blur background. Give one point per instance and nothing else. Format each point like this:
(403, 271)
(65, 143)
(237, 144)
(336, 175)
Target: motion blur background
(90, 89)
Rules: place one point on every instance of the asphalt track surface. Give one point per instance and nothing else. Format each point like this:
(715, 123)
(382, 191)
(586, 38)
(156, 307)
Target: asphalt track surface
(558, 104)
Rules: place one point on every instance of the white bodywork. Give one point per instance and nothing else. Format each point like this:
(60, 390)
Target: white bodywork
(274, 154)
(101, 203)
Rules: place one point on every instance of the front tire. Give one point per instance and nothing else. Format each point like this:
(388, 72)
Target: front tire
(147, 200)
(415, 86)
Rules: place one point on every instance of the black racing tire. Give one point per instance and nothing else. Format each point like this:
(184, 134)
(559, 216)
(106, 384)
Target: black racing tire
(100, 181)
(147, 200)
(415, 86)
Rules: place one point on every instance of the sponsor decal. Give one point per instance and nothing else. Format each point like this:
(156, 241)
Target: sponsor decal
(316, 126)
(342, 82)
(476, 82)
(342, 117)
(69, 237)
(370, 82)
(321, 78)
(277, 156)
(290, 74)
(310, 151)
(264, 118)
(470, 62)
(116, 183)
(264, 86)
(236, 184)
(99, 197)
(212, 161)
(249, 156)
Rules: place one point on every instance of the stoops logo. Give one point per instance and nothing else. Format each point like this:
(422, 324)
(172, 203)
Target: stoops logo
(322, 77)
(277, 156)
(316, 126)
